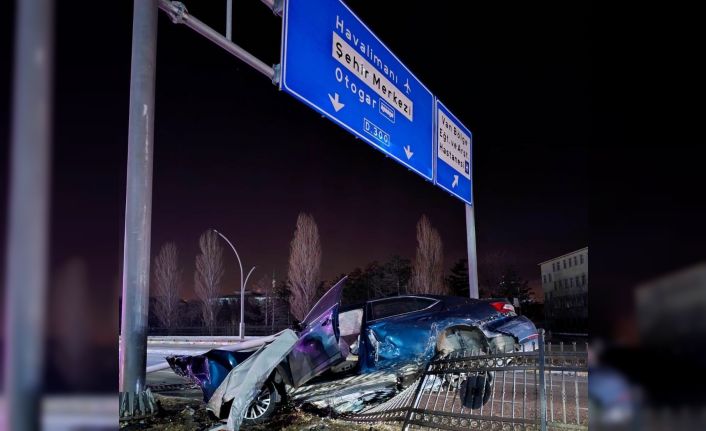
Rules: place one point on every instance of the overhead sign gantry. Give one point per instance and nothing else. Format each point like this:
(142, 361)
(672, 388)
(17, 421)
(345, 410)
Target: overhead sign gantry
(332, 62)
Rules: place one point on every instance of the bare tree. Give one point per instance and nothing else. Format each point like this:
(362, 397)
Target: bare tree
(304, 266)
(207, 278)
(167, 277)
(428, 271)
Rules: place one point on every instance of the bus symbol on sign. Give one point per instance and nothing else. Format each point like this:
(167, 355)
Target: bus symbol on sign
(387, 111)
(376, 132)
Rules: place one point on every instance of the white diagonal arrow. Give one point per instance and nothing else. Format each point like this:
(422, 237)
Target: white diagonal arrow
(455, 183)
(337, 106)
(408, 152)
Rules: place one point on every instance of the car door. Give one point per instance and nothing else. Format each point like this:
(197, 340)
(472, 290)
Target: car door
(317, 349)
(398, 330)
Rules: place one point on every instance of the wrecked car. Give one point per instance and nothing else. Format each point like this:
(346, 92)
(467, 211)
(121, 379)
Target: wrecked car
(376, 335)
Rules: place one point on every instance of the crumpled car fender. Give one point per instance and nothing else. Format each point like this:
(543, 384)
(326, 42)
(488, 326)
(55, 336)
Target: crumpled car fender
(389, 345)
(207, 370)
(520, 327)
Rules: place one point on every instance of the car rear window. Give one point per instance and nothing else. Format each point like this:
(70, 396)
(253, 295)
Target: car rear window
(395, 306)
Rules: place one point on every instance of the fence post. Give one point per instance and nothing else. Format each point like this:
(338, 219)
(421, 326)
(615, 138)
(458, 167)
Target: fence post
(542, 389)
(415, 398)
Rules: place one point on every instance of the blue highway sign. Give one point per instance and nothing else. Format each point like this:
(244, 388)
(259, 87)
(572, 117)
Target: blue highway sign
(454, 143)
(333, 62)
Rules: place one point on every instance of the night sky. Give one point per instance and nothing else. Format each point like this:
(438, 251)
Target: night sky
(234, 153)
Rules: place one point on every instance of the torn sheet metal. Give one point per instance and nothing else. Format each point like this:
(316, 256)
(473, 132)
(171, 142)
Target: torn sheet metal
(519, 327)
(353, 393)
(207, 370)
(244, 382)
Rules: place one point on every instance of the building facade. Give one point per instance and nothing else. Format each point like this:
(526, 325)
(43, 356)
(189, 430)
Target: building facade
(565, 287)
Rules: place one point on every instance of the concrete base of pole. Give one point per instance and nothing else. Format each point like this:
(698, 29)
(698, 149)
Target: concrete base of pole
(135, 406)
(242, 331)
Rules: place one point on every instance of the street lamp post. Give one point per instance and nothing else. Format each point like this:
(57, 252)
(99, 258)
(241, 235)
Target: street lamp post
(241, 330)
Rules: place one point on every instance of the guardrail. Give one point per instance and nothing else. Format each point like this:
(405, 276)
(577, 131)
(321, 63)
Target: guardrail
(218, 331)
(196, 340)
(541, 388)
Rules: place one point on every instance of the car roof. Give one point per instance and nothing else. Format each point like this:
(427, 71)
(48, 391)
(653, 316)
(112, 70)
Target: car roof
(442, 298)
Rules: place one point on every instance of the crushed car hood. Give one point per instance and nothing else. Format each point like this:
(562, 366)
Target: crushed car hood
(207, 370)
(244, 382)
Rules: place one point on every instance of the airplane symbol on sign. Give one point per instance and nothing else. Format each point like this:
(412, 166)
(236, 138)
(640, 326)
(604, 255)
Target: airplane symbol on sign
(406, 85)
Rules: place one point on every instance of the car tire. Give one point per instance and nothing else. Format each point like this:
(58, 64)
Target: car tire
(263, 406)
(475, 391)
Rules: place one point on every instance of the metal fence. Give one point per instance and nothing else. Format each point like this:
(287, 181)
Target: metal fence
(542, 387)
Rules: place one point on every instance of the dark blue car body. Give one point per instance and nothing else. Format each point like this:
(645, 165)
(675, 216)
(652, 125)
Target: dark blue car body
(407, 328)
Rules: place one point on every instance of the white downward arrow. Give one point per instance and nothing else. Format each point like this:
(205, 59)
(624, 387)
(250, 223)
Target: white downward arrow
(337, 106)
(455, 183)
(408, 152)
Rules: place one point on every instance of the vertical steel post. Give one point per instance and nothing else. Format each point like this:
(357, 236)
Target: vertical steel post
(229, 19)
(542, 389)
(472, 258)
(28, 214)
(135, 398)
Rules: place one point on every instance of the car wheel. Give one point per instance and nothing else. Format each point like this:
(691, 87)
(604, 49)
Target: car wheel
(263, 405)
(475, 390)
